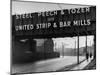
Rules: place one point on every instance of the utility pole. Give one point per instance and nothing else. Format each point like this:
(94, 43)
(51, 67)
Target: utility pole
(62, 49)
(86, 44)
(55, 47)
(78, 46)
(78, 50)
(75, 44)
(90, 51)
(94, 46)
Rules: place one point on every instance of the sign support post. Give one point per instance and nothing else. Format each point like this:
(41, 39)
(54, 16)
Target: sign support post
(78, 50)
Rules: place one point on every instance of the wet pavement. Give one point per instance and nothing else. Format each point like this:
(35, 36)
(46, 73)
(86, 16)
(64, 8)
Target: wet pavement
(91, 65)
(82, 65)
(49, 65)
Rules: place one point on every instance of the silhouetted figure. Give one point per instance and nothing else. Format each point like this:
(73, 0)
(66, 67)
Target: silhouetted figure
(90, 55)
(87, 56)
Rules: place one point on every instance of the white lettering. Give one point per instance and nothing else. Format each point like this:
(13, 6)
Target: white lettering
(65, 23)
(54, 25)
(62, 12)
(81, 22)
(24, 27)
(87, 9)
(43, 25)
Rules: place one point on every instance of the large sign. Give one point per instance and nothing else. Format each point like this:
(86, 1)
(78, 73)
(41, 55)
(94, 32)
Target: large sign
(66, 22)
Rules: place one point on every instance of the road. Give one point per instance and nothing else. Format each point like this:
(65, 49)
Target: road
(46, 65)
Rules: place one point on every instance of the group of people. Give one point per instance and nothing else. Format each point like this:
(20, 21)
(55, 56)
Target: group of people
(88, 56)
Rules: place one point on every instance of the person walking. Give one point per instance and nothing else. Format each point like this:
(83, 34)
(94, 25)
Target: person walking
(87, 56)
(90, 55)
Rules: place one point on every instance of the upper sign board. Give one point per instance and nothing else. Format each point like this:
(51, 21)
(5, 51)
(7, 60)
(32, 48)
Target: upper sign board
(57, 23)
